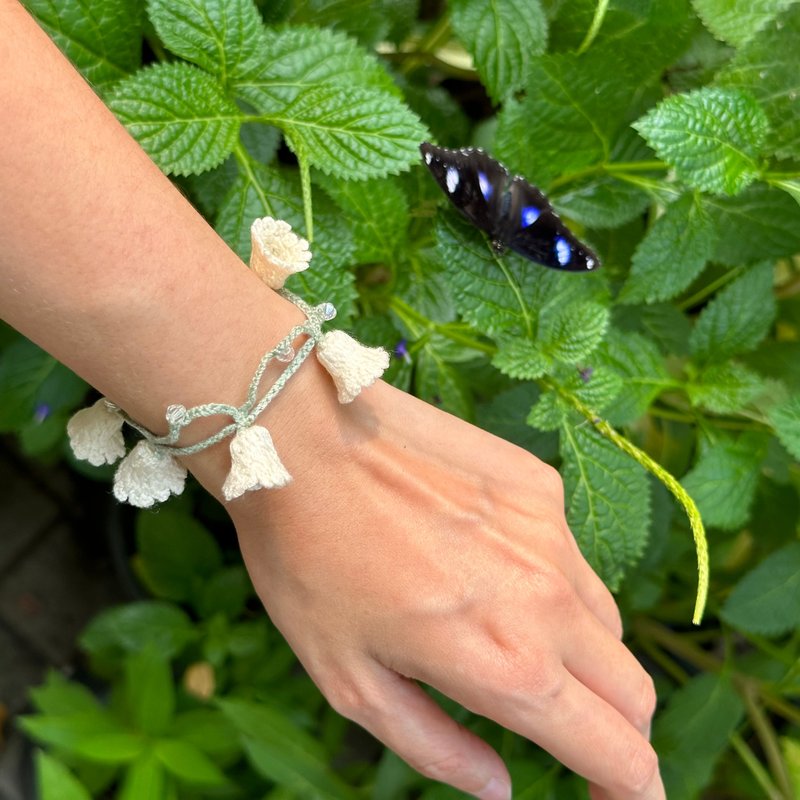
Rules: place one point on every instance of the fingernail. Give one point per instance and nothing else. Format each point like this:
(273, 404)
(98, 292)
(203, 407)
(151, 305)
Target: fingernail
(496, 789)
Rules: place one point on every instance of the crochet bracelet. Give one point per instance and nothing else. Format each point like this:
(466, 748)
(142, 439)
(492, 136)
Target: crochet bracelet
(150, 472)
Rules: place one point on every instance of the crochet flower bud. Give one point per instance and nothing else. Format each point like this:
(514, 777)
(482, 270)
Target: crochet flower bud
(352, 366)
(255, 463)
(148, 475)
(277, 251)
(95, 434)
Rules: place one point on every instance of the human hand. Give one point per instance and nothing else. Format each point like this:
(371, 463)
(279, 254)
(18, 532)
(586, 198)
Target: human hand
(412, 546)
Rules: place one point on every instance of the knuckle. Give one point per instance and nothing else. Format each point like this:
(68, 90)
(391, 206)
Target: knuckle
(641, 769)
(549, 479)
(532, 686)
(646, 703)
(445, 769)
(555, 592)
(347, 698)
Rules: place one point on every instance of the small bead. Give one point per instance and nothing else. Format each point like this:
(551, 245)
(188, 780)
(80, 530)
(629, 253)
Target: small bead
(284, 352)
(175, 414)
(328, 311)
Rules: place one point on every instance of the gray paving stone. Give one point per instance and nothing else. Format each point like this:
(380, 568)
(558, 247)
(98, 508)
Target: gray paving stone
(24, 513)
(51, 595)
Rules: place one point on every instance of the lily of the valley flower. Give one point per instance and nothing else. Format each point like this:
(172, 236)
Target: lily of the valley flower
(95, 434)
(277, 251)
(148, 475)
(255, 463)
(352, 366)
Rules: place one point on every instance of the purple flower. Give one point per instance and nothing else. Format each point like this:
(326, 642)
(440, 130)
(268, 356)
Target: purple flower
(401, 350)
(41, 413)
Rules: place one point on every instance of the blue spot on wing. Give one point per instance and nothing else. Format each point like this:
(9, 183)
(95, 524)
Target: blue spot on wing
(563, 251)
(529, 215)
(487, 190)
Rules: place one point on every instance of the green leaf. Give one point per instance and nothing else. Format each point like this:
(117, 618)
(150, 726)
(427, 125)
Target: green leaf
(226, 592)
(672, 253)
(23, 369)
(601, 201)
(505, 415)
(767, 68)
(766, 601)
(502, 37)
(569, 110)
(738, 318)
(521, 359)
(93, 735)
(103, 40)
(712, 137)
(737, 21)
(439, 383)
(351, 133)
(785, 418)
(208, 730)
(300, 58)
(664, 324)
(571, 332)
(176, 554)
(145, 777)
(60, 697)
(638, 362)
(758, 224)
(188, 763)
(792, 188)
(150, 692)
(791, 754)
(378, 215)
(607, 499)
(129, 628)
(692, 732)
(56, 782)
(179, 115)
(280, 751)
(368, 20)
(502, 297)
(225, 38)
(725, 388)
(724, 479)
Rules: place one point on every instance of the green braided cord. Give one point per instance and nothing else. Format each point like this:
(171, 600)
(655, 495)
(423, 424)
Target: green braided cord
(246, 414)
(681, 495)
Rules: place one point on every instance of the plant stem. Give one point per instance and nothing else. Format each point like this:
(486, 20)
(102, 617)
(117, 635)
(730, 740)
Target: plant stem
(712, 287)
(771, 791)
(436, 34)
(680, 494)
(767, 737)
(594, 28)
(245, 163)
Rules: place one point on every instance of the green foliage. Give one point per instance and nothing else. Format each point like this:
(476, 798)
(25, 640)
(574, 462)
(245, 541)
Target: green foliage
(668, 137)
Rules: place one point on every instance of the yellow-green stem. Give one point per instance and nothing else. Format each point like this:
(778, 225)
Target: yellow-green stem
(594, 28)
(680, 494)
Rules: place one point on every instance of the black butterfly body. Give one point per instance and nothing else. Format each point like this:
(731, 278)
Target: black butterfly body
(513, 212)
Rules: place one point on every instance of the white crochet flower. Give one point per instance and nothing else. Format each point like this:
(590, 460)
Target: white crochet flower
(255, 463)
(95, 434)
(148, 475)
(352, 366)
(277, 251)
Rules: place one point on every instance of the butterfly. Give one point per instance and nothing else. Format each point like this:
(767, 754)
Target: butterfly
(514, 213)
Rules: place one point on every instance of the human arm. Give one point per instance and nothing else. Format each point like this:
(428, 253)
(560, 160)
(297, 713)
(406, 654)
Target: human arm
(410, 546)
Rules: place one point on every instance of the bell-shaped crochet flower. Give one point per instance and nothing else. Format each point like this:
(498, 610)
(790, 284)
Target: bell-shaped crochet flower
(148, 475)
(352, 366)
(277, 251)
(95, 434)
(255, 463)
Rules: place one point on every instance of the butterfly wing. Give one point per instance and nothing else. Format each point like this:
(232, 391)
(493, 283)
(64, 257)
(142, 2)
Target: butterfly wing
(532, 228)
(474, 182)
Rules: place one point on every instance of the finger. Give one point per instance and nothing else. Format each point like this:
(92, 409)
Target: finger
(604, 665)
(397, 711)
(577, 727)
(595, 594)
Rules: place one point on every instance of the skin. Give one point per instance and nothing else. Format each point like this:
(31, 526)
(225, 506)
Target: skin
(410, 547)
